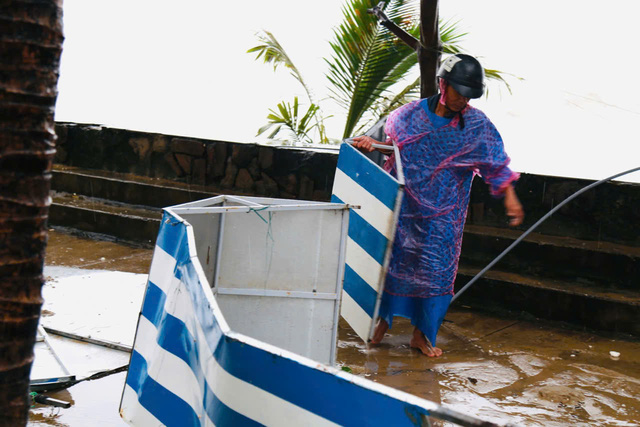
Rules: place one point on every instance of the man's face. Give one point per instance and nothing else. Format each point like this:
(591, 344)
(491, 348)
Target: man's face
(455, 101)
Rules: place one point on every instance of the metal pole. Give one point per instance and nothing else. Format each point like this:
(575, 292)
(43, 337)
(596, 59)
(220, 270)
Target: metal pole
(103, 343)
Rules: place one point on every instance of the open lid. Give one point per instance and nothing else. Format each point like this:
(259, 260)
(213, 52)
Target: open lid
(360, 181)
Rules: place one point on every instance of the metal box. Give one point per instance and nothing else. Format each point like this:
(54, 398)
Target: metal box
(276, 267)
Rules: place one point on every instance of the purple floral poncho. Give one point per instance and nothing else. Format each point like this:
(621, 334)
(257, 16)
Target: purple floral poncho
(439, 165)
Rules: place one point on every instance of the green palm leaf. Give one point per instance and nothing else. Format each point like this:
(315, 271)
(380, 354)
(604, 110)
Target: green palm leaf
(273, 53)
(451, 37)
(367, 59)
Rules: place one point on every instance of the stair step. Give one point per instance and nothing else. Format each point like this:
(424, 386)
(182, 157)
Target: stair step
(594, 307)
(610, 264)
(133, 223)
(560, 241)
(126, 188)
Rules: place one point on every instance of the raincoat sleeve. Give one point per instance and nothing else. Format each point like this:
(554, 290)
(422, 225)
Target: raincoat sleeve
(493, 162)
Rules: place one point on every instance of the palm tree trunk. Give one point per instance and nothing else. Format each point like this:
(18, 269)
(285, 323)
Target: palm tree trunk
(30, 46)
(429, 52)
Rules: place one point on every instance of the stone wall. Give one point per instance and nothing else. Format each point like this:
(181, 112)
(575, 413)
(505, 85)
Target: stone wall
(608, 213)
(223, 167)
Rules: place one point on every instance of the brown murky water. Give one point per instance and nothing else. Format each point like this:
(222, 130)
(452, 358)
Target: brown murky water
(502, 370)
(498, 368)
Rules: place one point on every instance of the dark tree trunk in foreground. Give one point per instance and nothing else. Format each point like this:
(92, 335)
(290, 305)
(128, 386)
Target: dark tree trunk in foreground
(30, 47)
(429, 53)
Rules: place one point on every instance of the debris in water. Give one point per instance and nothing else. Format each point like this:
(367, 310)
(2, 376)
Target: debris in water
(614, 354)
(561, 395)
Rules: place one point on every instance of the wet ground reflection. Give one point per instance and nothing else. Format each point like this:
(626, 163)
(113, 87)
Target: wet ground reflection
(498, 368)
(501, 369)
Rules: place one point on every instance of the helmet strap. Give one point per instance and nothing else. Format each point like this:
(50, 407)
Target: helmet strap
(442, 85)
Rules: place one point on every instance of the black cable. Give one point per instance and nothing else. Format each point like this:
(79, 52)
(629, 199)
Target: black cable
(540, 221)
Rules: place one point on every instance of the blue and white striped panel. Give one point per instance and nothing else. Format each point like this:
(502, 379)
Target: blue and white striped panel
(188, 369)
(359, 181)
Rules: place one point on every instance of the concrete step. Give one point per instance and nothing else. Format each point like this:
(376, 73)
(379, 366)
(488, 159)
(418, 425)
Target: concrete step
(125, 188)
(597, 308)
(125, 206)
(595, 263)
(133, 223)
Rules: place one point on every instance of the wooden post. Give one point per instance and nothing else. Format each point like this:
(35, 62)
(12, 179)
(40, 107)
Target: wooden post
(430, 50)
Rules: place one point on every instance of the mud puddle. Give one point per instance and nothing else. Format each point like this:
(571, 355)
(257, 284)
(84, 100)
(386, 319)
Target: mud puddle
(504, 370)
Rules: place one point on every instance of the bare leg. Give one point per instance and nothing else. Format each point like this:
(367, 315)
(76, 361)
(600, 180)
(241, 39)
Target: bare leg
(421, 342)
(381, 329)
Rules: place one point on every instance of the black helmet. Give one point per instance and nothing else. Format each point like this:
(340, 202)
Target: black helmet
(464, 73)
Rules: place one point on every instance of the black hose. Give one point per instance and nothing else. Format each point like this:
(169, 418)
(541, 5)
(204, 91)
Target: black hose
(533, 227)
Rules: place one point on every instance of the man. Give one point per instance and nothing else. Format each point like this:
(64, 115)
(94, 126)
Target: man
(443, 142)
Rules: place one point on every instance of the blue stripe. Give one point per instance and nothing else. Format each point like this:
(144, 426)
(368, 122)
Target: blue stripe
(170, 237)
(365, 235)
(202, 309)
(368, 175)
(321, 393)
(361, 292)
(154, 300)
(174, 337)
(164, 405)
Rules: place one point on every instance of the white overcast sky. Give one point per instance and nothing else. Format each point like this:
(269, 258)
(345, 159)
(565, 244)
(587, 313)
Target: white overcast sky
(182, 68)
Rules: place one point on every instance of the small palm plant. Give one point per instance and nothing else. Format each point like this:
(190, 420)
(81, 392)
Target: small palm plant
(287, 118)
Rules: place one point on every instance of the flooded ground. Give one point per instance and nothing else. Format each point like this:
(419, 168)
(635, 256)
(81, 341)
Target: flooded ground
(501, 369)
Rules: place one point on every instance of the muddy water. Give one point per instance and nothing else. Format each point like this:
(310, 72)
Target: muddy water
(498, 368)
(508, 370)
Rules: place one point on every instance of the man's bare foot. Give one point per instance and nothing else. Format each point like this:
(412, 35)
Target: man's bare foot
(381, 329)
(421, 342)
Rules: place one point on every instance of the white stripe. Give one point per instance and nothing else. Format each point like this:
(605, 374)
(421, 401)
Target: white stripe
(363, 264)
(357, 318)
(133, 413)
(257, 404)
(371, 209)
(162, 266)
(170, 371)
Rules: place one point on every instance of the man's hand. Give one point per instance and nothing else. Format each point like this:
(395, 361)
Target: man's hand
(365, 143)
(513, 207)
